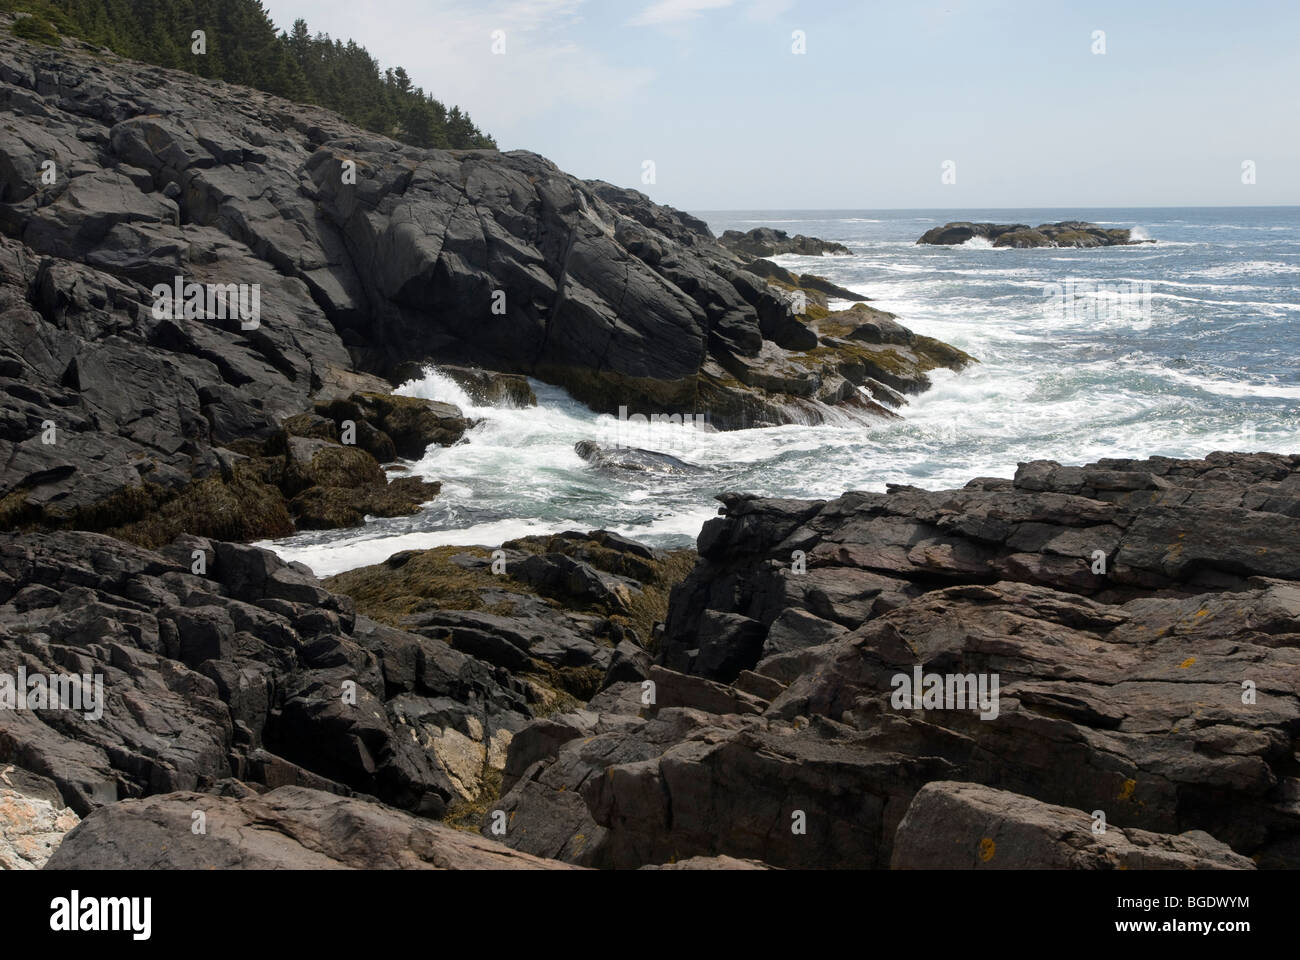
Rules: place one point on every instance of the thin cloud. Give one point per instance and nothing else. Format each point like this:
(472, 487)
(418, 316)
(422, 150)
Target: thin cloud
(450, 54)
(675, 11)
(665, 12)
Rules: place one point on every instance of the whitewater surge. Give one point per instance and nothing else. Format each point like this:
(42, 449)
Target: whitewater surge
(1211, 365)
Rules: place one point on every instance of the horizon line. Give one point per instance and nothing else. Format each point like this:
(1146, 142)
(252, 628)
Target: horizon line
(1172, 206)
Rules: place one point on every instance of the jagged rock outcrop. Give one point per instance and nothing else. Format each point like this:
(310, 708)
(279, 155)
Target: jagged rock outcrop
(218, 668)
(247, 668)
(1142, 619)
(1159, 688)
(558, 613)
(1067, 233)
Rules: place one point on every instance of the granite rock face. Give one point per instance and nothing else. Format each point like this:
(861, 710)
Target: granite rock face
(33, 819)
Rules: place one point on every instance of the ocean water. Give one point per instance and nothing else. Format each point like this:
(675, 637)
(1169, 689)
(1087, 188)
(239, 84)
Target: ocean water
(1179, 348)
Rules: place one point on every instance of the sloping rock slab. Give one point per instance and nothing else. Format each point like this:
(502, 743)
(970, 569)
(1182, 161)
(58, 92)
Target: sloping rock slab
(292, 828)
(965, 826)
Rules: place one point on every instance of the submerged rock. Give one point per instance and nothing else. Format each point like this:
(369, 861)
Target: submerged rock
(490, 389)
(632, 459)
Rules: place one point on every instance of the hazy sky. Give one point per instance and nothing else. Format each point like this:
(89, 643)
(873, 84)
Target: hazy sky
(1010, 91)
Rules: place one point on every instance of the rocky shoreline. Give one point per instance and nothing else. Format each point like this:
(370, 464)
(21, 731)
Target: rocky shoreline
(1131, 628)
(368, 259)
(1142, 619)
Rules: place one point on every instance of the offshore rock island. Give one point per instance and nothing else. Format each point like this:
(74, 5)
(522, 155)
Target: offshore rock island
(1067, 233)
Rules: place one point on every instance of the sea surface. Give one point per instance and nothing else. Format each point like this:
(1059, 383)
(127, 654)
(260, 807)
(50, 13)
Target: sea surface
(1181, 347)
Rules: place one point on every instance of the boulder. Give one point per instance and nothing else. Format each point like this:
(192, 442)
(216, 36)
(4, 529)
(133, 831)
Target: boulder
(631, 459)
(490, 389)
(966, 826)
(33, 820)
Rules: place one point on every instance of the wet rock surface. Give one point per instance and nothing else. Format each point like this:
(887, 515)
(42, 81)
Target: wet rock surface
(632, 459)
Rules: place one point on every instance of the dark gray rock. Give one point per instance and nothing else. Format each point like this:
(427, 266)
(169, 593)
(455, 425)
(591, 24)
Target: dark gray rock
(250, 670)
(810, 281)
(489, 389)
(632, 459)
(763, 242)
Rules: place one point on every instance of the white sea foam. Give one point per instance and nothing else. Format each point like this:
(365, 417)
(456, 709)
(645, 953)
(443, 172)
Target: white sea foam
(1250, 268)
(1231, 388)
(364, 549)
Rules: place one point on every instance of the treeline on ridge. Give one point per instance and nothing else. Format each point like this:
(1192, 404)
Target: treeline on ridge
(244, 47)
